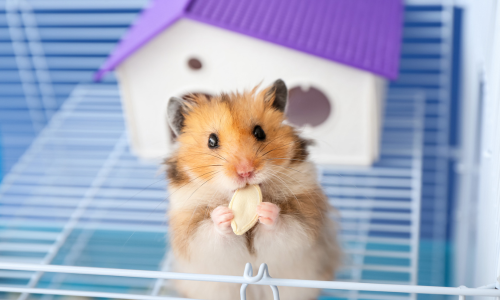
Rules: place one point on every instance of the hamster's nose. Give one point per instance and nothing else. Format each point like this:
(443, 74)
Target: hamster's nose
(245, 169)
(246, 174)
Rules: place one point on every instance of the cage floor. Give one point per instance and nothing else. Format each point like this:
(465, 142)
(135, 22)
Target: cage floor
(79, 197)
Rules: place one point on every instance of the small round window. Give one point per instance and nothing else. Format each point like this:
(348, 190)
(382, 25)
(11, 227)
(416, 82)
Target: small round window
(309, 106)
(194, 64)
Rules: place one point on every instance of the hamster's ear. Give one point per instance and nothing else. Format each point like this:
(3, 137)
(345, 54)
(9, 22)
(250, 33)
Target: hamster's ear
(277, 95)
(175, 116)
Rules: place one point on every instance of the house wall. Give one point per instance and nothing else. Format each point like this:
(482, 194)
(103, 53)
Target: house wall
(159, 70)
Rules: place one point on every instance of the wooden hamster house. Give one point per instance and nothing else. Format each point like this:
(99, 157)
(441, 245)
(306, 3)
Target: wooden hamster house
(333, 55)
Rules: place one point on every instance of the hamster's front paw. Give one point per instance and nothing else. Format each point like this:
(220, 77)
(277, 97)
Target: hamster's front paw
(268, 214)
(222, 216)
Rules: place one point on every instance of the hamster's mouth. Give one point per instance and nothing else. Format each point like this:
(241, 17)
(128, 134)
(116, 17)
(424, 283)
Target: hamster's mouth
(260, 185)
(256, 178)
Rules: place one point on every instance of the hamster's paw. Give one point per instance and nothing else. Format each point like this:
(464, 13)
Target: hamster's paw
(222, 216)
(268, 214)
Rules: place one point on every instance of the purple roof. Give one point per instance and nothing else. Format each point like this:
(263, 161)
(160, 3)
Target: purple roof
(364, 34)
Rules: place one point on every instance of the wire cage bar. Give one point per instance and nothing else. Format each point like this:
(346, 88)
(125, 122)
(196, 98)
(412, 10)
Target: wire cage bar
(262, 278)
(79, 197)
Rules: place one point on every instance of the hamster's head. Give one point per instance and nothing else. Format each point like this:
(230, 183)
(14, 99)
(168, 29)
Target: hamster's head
(232, 140)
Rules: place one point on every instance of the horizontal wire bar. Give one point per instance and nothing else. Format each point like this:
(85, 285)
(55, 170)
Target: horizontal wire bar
(368, 239)
(375, 227)
(25, 234)
(239, 279)
(87, 294)
(381, 268)
(29, 247)
(488, 286)
(82, 225)
(391, 254)
(348, 295)
(18, 259)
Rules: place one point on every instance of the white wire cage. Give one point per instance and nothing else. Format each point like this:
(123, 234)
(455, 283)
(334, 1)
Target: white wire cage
(78, 197)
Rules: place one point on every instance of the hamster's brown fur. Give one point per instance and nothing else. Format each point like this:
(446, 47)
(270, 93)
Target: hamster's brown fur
(301, 246)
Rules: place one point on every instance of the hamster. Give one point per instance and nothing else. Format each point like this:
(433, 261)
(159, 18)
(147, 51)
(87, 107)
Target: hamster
(224, 143)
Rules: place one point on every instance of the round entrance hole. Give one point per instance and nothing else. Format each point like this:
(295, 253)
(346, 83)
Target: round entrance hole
(307, 106)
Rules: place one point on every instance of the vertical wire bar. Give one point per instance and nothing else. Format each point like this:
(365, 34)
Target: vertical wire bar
(38, 59)
(81, 208)
(76, 250)
(443, 151)
(24, 66)
(276, 294)
(84, 237)
(243, 291)
(39, 142)
(165, 268)
(363, 231)
(419, 111)
(42, 139)
(462, 297)
(447, 49)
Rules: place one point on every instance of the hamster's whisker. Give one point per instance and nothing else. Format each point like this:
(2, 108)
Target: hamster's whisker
(286, 186)
(287, 168)
(203, 167)
(294, 179)
(189, 155)
(197, 205)
(285, 159)
(214, 198)
(273, 187)
(298, 182)
(196, 208)
(278, 148)
(128, 239)
(267, 144)
(159, 206)
(165, 199)
(222, 157)
(336, 173)
(189, 183)
(123, 203)
(284, 183)
(214, 155)
(219, 157)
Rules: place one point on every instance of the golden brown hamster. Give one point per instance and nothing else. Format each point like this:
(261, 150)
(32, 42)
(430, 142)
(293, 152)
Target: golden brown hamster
(225, 142)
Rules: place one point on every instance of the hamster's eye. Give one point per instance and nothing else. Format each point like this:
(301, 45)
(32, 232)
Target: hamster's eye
(259, 133)
(213, 141)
